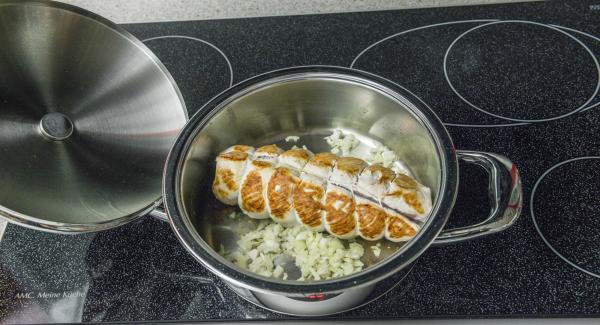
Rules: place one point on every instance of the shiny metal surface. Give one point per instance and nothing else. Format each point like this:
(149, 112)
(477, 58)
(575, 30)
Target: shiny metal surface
(56, 126)
(3, 225)
(325, 305)
(506, 197)
(220, 230)
(308, 102)
(87, 116)
(159, 213)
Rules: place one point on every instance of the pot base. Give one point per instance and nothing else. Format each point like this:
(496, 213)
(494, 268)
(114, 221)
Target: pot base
(320, 304)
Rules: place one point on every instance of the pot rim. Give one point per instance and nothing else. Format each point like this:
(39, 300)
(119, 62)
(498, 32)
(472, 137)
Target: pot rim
(75, 228)
(200, 250)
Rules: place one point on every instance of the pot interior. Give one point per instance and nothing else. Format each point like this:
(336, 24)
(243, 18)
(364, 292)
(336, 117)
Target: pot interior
(310, 108)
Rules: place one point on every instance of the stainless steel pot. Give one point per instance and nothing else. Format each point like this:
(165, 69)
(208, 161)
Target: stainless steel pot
(310, 102)
(87, 117)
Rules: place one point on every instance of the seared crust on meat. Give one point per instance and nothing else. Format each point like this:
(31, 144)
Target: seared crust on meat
(406, 189)
(261, 164)
(307, 199)
(323, 159)
(252, 199)
(269, 149)
(242, 148)
(398, 229)
(350, 165)
(251, 193)
(320, 165)
(296, 153)
(234, 155)
(343, 195)
(386, 174)
(339, 209)
(371, 221)
(408, 197)
(226, 176)
(405, 182)
(230, 166)
(295, 159)
(279, 192)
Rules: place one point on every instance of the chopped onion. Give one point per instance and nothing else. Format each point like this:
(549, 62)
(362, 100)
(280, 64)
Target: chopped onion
(376, 250)
(340, 142)
(292, 138)
(343, 144)
(382, 155)
(296, 147)
(318, 256)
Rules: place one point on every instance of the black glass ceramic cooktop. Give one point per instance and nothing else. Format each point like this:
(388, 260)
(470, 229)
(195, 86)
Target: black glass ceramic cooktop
(521, 80)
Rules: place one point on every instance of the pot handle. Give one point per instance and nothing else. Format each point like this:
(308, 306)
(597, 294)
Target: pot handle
(159, 212)
(505, 195)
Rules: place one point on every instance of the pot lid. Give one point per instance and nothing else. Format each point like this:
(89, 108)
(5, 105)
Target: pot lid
(87, 117)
